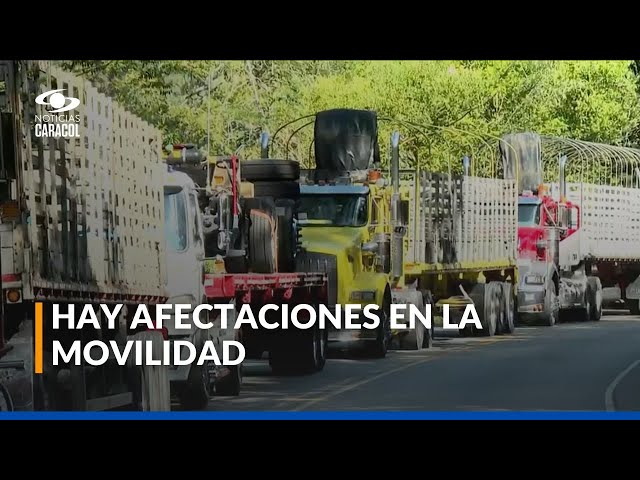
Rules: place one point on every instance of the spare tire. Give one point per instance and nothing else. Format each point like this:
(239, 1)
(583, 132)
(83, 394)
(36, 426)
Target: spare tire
(287, 234)
(262, 242)
(269, 170)
(277, 189)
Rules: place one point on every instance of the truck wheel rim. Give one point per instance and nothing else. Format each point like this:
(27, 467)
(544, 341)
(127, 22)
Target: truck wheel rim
(322, 346)
(493, 312)
(509, 310)
(205, 378)
(314, 340)
(419, 334)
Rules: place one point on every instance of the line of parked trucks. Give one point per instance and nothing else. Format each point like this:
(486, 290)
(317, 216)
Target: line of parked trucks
(115, 217)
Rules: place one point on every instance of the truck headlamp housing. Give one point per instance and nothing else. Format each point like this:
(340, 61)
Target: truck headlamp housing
(534, 279)
(13, 295)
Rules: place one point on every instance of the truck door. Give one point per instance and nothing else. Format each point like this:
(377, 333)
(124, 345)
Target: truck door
(197, 243)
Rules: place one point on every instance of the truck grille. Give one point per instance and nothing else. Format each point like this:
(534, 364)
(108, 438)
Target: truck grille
(320, 262)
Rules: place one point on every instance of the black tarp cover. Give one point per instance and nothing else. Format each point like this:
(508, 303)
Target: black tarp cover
(346, 139)
(523, 150)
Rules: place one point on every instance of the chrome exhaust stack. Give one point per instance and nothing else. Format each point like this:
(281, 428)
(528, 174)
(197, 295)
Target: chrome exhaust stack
(264, 145)
(398, 211)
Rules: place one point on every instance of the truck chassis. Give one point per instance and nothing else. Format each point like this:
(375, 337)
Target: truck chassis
(289, 350)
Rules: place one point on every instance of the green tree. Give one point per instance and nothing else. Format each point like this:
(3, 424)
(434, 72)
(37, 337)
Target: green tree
(460, 107)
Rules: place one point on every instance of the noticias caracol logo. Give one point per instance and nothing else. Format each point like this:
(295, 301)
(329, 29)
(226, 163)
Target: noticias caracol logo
(57, 101)
(54, 123)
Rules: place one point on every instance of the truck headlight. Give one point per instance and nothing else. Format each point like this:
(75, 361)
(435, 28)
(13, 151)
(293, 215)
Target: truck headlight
(362, 296)
(534, 279)
(13, 295)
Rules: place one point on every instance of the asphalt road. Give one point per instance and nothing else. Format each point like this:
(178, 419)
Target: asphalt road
(571, 366)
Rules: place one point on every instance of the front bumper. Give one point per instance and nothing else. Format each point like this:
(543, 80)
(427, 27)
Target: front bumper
(346, 337)
(350, 336)
(531, 302)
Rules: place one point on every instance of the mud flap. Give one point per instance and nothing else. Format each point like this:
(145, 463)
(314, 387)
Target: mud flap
(152, 389)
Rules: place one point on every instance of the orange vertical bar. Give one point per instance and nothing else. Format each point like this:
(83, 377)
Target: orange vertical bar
(38, 333)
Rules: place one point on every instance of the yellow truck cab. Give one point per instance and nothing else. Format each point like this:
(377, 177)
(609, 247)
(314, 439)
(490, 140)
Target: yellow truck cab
(337, 227)
(413, 237)
(346, 220)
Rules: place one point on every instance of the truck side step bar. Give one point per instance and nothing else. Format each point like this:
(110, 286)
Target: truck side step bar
(109, 402)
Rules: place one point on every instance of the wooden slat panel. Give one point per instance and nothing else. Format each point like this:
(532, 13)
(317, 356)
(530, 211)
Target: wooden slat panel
(89, 197)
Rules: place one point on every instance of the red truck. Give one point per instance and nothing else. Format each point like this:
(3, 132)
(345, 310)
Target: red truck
(577, 225)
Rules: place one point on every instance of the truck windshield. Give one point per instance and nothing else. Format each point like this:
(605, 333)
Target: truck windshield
(528, 214)
(175, 220)
(344, 210)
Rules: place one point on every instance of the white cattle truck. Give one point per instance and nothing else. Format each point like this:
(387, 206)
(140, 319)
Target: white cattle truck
(192, 385)
(604, 182)
(81, 223)
(578, 226)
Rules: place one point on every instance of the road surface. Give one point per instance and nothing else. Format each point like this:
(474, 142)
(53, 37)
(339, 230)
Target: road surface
(571, 366)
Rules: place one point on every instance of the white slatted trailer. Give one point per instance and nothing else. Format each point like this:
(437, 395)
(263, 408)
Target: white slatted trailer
(462, 232)
(608, 239)
(462, 221)
(91, 229)
(610, 220)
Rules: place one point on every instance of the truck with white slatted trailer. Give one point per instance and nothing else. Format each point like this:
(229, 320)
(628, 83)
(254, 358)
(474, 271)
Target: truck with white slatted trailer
(460, 245)
(81, 223)
(579, 225)
(392, 235)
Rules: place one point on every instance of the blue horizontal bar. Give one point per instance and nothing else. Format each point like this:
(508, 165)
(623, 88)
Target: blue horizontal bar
(315, 415)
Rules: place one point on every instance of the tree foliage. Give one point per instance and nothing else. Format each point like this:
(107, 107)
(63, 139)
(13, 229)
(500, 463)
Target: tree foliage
(459, 107)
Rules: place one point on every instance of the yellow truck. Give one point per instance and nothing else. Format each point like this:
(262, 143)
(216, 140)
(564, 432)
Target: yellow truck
(386, 235)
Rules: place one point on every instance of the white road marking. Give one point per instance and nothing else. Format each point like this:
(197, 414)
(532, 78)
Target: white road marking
(608, 396)
(362, 382)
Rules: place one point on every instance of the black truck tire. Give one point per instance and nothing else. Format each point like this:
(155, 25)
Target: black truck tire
(267, 169)
(288, 189)
(236, 265)
(380, 346)
(421, 336)
(487, 298)
(262, 242)
(195, 395)
(299, 352)
(307, 358)
(231, 384)
(595, 287)
(430, 334)
(509, 308)
(287, 234)
(551, 314)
